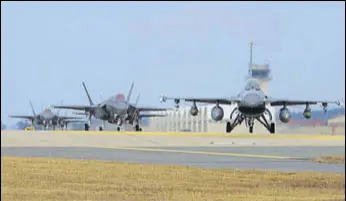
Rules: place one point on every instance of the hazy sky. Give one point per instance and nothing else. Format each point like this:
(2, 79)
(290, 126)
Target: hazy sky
(176, 48)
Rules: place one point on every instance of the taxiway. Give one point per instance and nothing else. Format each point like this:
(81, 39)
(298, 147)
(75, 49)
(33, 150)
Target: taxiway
(248, 152)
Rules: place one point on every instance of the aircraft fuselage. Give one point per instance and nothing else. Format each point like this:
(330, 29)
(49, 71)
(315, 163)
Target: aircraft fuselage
(111, 111)
(47, 117)
(252, 103)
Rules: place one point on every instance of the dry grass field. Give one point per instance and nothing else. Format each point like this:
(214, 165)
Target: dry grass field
(335, 159)
(35, 179)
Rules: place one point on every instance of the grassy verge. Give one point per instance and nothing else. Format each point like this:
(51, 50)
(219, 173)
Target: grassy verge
(33, 179)
(335, 159)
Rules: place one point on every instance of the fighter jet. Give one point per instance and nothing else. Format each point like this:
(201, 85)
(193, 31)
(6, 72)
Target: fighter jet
(47, 118)
(250, 104)
(134, 114)
(115, 110)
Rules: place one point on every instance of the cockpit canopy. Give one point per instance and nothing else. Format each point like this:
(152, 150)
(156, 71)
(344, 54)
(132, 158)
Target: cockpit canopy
(252, 84)
(118, 98)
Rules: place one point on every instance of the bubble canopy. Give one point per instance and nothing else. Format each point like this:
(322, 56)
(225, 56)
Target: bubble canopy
(252, 84)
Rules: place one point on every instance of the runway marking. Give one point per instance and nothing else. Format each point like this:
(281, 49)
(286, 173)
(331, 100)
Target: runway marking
(202, 152)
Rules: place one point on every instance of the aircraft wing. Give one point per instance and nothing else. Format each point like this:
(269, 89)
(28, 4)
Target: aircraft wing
(65, 118)
(80, 113)
(282, 102)
(74, 120)
(74, 107)
(151, 109)
(22, 116)
(151, 115)
(226, 101)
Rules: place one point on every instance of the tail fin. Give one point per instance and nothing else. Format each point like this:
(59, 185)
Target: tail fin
(137, 99)
(86, 91)
(130, 93)
(136, 113)
(250, 62)
(32, 108)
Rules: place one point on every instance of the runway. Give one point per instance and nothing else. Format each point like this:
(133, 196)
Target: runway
(191, 151)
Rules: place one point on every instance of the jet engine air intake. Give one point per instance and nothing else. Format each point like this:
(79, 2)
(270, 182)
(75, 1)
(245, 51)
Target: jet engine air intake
(284, 115)
(217, 113)
(39, 117)
(104, 107)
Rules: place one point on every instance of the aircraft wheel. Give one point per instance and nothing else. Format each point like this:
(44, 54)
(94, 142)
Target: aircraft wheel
(137, 128)
(100, 128)
(86, 127)
(140, 129)
(228, 127)
(251, 129)
(272, 128)
(118, 128)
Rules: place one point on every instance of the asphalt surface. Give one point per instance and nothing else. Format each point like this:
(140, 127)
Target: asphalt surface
(261, 158)
(290, 153)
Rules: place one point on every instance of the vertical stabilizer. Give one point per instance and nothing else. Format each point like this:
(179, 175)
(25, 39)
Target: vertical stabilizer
(32, 108)
(86, 91)
(130, 93)
(136, 114)
(250, 62)
(137, 99)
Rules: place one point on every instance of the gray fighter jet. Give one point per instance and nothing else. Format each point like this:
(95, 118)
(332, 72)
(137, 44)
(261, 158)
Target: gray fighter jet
(134, 114)
(115, 110)
(251, 103)
(47, 118)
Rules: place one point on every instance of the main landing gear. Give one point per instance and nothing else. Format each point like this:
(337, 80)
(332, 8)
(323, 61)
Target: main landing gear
(137, 128)
(269, 126)
(86, 127)
(238, 118)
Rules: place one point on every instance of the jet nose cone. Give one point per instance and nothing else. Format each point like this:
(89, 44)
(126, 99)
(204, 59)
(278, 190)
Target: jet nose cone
(252, 99)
